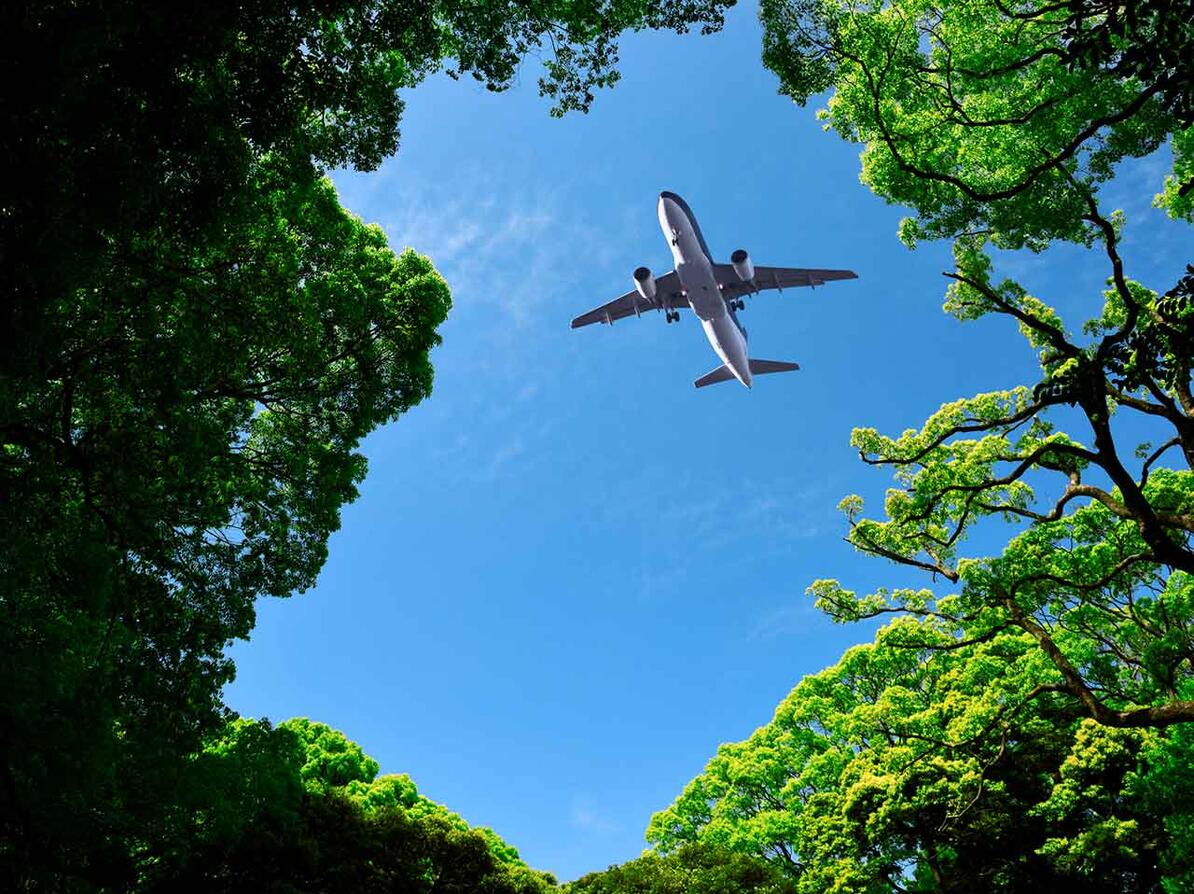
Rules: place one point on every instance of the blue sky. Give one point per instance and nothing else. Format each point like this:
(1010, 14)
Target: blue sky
(569, 575)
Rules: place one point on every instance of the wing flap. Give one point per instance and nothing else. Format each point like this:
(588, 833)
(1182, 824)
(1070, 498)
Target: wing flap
(668, 296)
(776, 278)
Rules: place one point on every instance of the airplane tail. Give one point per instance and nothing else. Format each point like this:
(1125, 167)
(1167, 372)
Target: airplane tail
(757, 368)
(762, 367)
(721, 374)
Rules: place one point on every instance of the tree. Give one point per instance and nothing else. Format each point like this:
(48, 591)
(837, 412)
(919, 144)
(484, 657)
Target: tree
(333, 763)
(1011, 735)
(205, 443)
(982, 117)
(336, 846)
(300, 807)
(912, 767)
(998, 124)
(694, 868)
(1167, 790)
(195, 338)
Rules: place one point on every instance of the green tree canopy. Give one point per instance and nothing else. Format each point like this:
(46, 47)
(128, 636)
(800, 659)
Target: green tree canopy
(998, 124)
(189, 451)
(908, 766)
(332, 763)
(695, 868)
(336, 846)
(1024, 726)
(194, 340)
(991, 117)
(300, 807)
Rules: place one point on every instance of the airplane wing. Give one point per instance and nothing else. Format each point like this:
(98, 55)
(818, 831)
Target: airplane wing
(774, 278)
(668, 294)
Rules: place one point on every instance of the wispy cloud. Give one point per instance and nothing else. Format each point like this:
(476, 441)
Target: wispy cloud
(763, 511)
(503, 455)
(490, 253)
(507, 252)
(589, 819)
(798, 619)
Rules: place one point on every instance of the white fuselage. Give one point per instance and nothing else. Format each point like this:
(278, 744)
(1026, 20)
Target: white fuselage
(694, 268)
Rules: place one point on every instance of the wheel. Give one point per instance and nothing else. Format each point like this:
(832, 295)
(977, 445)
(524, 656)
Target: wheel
(741, 304)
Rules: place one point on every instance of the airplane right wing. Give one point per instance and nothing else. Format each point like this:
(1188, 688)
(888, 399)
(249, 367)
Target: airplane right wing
(668, 296)
(774, 278)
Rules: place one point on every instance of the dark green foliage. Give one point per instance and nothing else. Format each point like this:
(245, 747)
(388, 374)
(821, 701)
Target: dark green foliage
(187, 451)
(289, 809)
(194, 338)
(1151, 41)
(335, 846)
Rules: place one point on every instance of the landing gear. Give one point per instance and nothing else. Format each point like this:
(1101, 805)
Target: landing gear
(673, 316)
(740, 304)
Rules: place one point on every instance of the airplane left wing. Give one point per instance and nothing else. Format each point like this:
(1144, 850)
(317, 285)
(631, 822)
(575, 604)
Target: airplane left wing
(774, 278)
(668, 296)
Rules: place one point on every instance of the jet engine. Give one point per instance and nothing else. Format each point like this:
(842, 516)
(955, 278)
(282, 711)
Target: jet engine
(645, 283)
(742, 265)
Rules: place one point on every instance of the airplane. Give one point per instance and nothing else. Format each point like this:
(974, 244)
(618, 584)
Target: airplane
(713, 291)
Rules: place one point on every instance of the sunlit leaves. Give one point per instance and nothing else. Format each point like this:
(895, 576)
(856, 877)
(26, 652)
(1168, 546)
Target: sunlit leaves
(693, 869)
(1177, 198)
(924, 752)
(974, 114)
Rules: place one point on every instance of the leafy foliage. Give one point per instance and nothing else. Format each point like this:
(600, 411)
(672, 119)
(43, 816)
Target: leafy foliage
(693, 869)
(331, 832)
(334, 764)
(985, 116)
(195, 338)
(188, 451)
(918, 763)
(998, 124)
(1028, 730)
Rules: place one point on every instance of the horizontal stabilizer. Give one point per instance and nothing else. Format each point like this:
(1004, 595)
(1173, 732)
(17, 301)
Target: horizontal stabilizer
(721, 374)
(762, 367)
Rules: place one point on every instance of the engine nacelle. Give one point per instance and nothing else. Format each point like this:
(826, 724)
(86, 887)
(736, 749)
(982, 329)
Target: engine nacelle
(742, 265)
(645, 283)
